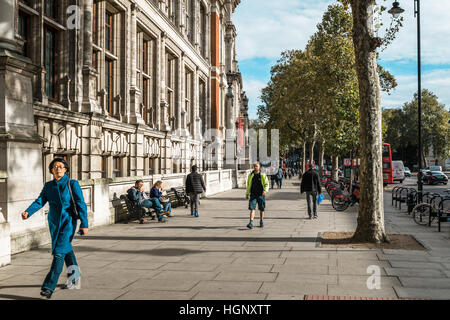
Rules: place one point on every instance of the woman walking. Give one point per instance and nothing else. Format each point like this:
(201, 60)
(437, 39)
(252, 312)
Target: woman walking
(67, 205)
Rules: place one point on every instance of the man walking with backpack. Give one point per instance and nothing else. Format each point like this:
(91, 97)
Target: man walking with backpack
(194, 187)
(257, 188)
(311, 185)
(280, 177)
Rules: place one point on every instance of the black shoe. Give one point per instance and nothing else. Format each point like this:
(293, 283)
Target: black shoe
(46, 293)
(141, 221)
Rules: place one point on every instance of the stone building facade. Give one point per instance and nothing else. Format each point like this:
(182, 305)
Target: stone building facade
(119, 88)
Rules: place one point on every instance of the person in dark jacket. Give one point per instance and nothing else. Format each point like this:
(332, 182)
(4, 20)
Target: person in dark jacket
(138, 195)
(61, 193)
(194, 187)
(311, 185)
(157, 192)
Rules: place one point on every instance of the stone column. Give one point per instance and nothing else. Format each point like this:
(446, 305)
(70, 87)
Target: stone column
(7, 15)
(5, 235)
(181, 110)
(19, 139)
(196, 115)
(164, 120)
(208, 35)
(89, 74)
(162, 5)
(158, 81)
(135, 93)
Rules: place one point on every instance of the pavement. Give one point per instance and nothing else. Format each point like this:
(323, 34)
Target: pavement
(215, 257)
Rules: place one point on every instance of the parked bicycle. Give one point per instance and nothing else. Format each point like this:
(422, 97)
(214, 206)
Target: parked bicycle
(436, 206)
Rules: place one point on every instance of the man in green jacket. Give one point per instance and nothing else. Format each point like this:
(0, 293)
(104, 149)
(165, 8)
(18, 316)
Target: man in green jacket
(257, 188)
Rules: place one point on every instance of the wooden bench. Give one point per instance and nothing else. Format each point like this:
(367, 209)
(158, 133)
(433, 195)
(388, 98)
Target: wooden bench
(136, 211)
(181, 195)
(173, 198)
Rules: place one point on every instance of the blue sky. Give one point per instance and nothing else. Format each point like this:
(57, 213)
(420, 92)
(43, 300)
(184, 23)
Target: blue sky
(267, 27)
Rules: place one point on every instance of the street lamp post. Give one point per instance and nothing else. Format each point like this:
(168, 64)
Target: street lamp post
(396, 11)
(230, 78)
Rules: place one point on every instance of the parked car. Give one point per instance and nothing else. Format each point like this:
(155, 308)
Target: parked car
(435, 177)
(398, 171)
(435, 168)
(407, 172)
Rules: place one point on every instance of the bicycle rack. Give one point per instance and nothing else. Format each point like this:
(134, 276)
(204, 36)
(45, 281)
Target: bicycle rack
(394, 190)
(412, 199)
(443, 216)
(403, 199)
(398, 195)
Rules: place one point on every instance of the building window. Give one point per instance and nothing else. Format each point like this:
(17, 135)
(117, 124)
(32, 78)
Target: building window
(94, 59)
(50, 58)
(202, 104)
(190, 20)
(117, 167)
(23, 31)
(51, 9)
(109, 31)
(150, 166)
(171, 10)
(103, 166)
(145, 75)
(109, 85)
(203, 30)
(94, 22)
(170, 85)
(188, 101)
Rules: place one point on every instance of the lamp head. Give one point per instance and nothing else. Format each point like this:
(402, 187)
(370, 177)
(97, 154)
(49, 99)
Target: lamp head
(396, 10)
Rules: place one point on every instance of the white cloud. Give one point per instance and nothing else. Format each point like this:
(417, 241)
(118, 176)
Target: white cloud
(435, 31)
(253, 88)
(266, 27)
(436, 81)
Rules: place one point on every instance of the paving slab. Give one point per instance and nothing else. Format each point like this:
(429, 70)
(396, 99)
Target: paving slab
(294, 288)
(228, 286)
(416, 282)
(162, 285)
(229, 296)
(285, 297)
(424, 293)
(413, 272)
(360, 291)
(424, 265)
(236, 267)
(144, 294)
(246, 276)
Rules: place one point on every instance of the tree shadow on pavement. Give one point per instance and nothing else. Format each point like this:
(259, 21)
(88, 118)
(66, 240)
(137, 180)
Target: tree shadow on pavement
(201, 239)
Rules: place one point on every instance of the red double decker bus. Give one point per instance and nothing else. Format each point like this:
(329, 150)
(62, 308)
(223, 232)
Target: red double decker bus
(388, 174)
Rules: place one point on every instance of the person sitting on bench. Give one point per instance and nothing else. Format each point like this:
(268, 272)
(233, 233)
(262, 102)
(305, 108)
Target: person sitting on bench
(137, 194)
(157, 192)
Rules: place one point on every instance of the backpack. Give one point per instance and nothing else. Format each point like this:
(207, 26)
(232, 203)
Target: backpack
(280, 174)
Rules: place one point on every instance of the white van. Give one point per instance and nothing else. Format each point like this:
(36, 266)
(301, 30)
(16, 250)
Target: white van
(398, 171)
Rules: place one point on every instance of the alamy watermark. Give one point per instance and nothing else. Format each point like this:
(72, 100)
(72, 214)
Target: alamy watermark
(74, 277)
(374, 281)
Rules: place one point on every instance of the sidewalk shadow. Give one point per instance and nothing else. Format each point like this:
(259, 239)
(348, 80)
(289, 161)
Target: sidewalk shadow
(195, 227)
(14, 297)
(201, 239)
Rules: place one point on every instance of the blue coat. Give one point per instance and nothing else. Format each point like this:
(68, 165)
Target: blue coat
(155, 193)
(61, 224)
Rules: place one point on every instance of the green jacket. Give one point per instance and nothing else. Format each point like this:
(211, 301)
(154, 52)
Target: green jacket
(264, 181)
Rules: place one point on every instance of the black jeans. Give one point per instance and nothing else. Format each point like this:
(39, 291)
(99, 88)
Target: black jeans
(312, 195)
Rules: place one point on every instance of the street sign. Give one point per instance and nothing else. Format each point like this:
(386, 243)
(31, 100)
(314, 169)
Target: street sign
(347, 162)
